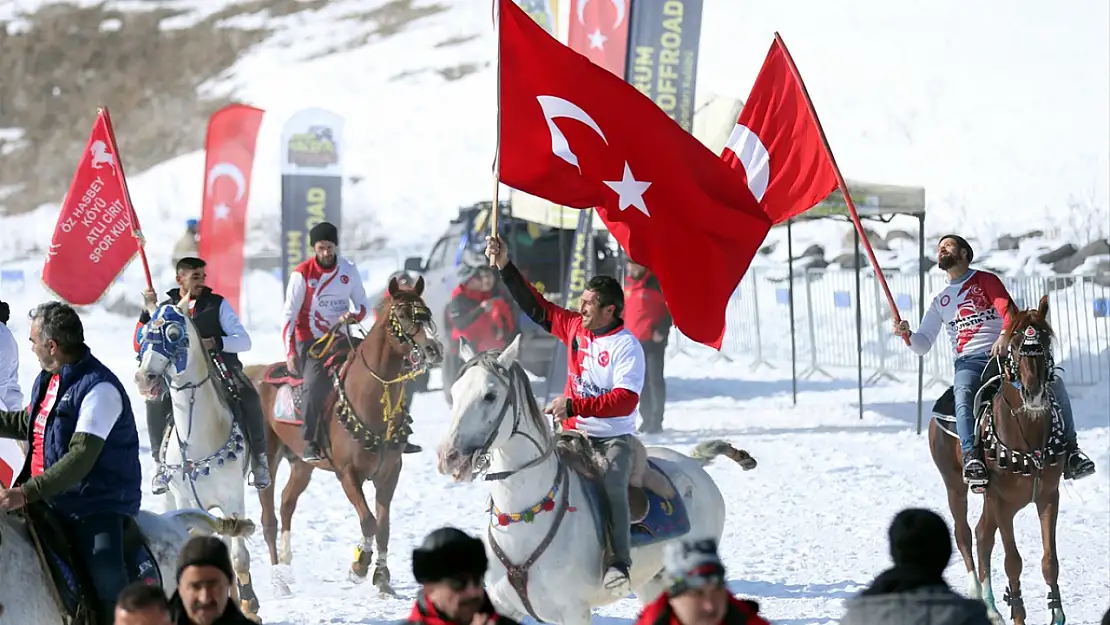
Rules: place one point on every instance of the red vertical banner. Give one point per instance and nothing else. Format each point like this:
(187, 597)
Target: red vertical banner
(229, 159)
(97, 230)
(598, 30)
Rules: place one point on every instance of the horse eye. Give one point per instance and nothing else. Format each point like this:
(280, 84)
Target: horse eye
(489, 397)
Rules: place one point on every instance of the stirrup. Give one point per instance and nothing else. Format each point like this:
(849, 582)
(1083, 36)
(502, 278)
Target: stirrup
(160, 485)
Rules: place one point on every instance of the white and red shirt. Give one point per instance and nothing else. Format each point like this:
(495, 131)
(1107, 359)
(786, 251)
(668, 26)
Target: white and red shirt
(972, 311)
(38, 458)
(316, 298)
(605, 375)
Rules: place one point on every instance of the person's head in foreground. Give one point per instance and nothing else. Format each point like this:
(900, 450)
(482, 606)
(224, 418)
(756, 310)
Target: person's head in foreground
(204, 577)
(450, 566)
(697, 589)
(142, 604)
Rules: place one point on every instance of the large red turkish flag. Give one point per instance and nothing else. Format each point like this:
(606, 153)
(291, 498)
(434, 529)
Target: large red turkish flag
(778, 144)
(598, 29)
(577, 135)
(229, 159)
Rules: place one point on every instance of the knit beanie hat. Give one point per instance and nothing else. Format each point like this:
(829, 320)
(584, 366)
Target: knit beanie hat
(960, 242)
(205, 551)
(323, 231)
(919, 539)
(689, 564)
(448, 552)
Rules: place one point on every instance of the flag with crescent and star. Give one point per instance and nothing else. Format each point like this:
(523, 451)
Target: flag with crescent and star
(575, 134)
(598, 29)
(229, 158)
(777, 143)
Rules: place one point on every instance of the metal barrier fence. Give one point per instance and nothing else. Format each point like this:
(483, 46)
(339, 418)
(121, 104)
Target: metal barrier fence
(825, 310)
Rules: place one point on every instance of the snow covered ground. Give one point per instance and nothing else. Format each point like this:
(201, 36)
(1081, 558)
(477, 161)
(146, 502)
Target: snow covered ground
(806, 529)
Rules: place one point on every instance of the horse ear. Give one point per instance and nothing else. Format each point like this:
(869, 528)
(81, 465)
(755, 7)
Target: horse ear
(509, 356)
(1042, 307)
(418, 288)
(466, 350)
(393, 287)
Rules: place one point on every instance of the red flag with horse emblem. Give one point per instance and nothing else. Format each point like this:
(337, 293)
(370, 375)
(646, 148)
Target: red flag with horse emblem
(97, 231)
(229, 158)
(577, 135)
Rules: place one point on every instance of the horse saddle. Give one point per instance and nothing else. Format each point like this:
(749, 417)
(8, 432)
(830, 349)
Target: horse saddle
(944, 409)
(71, 579)
(289, 404)
(656, 510)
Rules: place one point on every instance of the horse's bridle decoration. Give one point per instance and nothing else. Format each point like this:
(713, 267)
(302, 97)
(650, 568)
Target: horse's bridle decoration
(169, 336)
(1031, 346)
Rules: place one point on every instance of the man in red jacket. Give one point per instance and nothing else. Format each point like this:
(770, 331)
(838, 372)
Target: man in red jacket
(477, 312)
(647, 317)
(698, 593)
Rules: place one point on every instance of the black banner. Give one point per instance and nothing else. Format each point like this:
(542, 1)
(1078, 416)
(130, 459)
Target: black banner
(580, 269)
(305, 202)
(663, 54)
(311, 181)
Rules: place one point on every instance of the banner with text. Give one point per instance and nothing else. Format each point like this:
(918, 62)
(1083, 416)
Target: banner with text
(94, 238)
(663, 54)
(311, 181)
(580, 268)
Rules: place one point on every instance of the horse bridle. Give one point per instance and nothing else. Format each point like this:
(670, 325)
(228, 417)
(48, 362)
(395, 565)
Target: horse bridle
(1031, 346)
(508, 378)
(158, 331)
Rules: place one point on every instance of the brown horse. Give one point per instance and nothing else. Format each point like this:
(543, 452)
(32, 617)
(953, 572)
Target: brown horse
(1021, 430)
(365, 425)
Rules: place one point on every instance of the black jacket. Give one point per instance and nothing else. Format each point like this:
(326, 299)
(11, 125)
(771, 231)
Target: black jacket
(206, 317)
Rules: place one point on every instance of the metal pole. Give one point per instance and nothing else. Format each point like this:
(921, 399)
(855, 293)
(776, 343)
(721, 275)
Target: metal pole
(790, 297)
(859, 324)
(920, 312)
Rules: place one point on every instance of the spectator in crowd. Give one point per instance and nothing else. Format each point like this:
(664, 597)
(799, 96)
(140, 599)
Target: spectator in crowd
(142, 604)
(477, 312)
(647, 317)
(450, 566)
(698, 592)
(186, 246)
(914, 590)
(11, 396)
(204, 578)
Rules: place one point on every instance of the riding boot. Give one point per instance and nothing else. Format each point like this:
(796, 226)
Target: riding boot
(1078, 464)
(975, 471)
(254, 429)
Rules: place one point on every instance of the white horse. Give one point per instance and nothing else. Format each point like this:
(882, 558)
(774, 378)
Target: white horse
(203, 452)
(27, 592)
(550, 566)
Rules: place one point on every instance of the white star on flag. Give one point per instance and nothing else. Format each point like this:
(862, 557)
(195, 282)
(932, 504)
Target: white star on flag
(222, 211)
(597, 40)
(630, 190)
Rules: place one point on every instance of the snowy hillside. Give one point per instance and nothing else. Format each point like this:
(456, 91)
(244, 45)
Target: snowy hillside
(958, 99)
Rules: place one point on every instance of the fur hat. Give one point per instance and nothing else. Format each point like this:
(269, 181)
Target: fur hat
(448, 552)
(323, 231)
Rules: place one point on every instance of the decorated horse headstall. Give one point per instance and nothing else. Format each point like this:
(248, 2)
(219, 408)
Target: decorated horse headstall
(420, 317)
(1031, 346)
(167, 335)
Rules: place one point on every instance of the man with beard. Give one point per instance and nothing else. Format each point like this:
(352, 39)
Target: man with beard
(204, 578)
(976, 309)
(319, 296)
(450, 566)
(224, 337)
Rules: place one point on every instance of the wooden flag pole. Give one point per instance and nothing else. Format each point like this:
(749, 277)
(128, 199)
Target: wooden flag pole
(136, 230)
(842, 184)
(495, 209)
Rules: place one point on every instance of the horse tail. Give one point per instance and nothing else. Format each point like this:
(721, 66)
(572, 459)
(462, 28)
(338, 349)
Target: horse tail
(707, 451)
(199, 522)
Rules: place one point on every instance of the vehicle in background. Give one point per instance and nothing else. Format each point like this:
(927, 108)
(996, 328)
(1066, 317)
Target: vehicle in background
(540, 252)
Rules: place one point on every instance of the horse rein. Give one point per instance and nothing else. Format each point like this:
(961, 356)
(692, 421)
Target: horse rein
(508, 376)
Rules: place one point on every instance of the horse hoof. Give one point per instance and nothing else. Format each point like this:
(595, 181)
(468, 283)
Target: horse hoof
(281, 589)
(385, 591)
(355, 577)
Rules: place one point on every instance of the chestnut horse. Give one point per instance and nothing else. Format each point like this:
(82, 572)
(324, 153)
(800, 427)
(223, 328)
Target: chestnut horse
(365, 425)
(1022, 432)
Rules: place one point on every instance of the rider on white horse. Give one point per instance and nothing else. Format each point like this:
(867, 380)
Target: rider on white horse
(606, 374)
(224, 336)
(319, 297)
(83, 450)
(976, 309)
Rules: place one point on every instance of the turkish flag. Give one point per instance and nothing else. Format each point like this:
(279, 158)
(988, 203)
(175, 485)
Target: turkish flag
(577, 135)
(11, 462)
(598, 29)
(778, 144)
(94, 238)
(229, 159)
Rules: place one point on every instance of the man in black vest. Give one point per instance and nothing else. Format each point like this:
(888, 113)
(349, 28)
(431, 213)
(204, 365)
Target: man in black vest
(224, 336)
